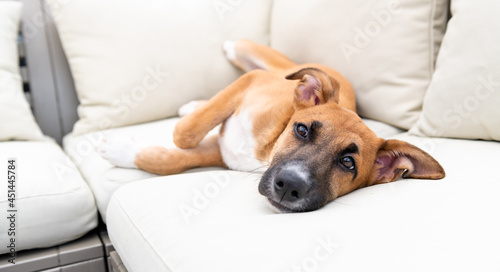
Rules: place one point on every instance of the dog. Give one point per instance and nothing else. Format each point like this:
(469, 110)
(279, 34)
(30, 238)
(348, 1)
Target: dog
(298, 122)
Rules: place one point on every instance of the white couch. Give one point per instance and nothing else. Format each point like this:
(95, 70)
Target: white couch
(419, 76)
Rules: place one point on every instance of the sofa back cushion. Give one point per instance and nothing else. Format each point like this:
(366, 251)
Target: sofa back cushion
(463, 100)
(138, 61)
(386, 48)
(16, 119)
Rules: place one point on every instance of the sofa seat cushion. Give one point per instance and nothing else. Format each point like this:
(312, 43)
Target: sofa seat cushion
(217, 221)
(53, 203)
(104, 178)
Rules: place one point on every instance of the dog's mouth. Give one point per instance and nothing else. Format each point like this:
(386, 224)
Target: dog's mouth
(278, 207)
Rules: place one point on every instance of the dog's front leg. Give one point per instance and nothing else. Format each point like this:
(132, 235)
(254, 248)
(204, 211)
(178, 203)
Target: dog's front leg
(192, 128)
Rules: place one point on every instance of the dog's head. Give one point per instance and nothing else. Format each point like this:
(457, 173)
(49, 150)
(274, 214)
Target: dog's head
(327, 151)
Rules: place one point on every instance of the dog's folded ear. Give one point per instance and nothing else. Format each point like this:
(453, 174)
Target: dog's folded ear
(315, 87)
(397, 158)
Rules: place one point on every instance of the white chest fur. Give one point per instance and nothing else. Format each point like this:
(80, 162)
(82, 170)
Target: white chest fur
(237, 145)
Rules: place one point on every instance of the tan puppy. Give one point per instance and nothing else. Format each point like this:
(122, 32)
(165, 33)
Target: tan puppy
(296, 121)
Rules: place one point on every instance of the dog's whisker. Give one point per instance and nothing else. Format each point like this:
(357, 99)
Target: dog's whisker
(342, 203)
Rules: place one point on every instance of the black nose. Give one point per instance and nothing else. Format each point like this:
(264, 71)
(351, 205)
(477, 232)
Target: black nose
(290, 186)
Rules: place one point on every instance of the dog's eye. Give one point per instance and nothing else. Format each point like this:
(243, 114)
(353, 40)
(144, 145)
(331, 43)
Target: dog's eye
(348, 162)
(302, 130)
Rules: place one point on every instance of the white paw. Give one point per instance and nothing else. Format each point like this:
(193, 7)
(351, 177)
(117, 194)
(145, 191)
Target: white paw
(189, 107)
(120, 151)
(228, 47)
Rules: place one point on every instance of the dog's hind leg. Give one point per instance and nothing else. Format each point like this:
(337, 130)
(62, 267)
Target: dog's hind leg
(249, 56)
(167, 161)
(128, 153)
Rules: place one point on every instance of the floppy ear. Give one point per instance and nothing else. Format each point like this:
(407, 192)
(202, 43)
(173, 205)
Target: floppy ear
(315, 87)
(397, 158)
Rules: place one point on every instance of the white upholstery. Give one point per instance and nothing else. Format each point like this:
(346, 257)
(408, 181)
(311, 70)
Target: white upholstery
(104, 178)
(139, 61)
(385, 48)
(464, 95)
(217, 221)
(54, 204)
(382, 130)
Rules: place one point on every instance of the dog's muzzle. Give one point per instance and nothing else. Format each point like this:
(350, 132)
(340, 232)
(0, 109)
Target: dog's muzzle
(291, 187)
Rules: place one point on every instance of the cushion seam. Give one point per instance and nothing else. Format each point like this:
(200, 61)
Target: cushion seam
(79, 189)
